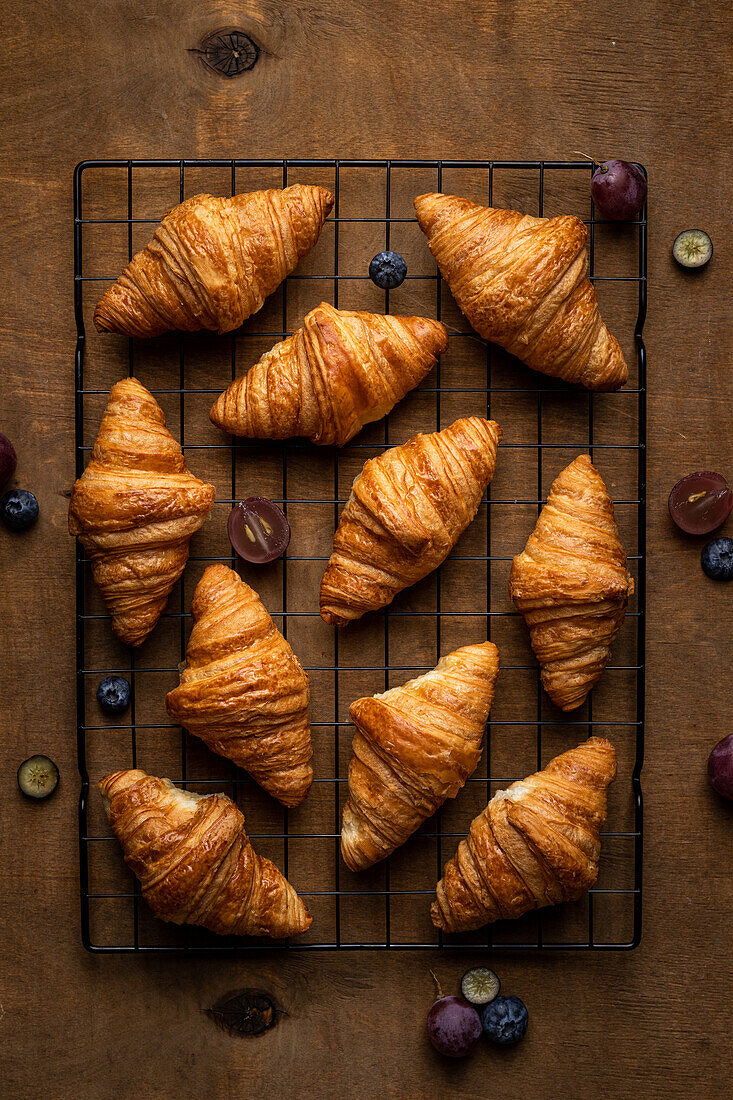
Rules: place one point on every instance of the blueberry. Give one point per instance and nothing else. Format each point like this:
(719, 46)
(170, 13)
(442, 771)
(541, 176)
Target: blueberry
(505, 1020)
(18, 509)
(717, 559)
(113, 694)
(387, 270)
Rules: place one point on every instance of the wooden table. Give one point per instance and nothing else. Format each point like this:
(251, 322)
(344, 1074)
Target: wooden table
(506, 80)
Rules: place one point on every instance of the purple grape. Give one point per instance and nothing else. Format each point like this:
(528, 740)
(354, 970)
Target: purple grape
(454, 1026)
(258, 530)
(8, 460)
(700, 502)
(618, 189)
(720, 767)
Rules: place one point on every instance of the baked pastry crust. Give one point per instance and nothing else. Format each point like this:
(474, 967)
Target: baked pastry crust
(536, 843)
(414, 747)
(343, 369)
(194, 860)
(213, 261)
(522, 282)
(407, 509)
(571, 584)
(243, 690)
(134, 510)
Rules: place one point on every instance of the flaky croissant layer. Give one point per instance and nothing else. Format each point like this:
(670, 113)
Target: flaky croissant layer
(571, 584)
(407, 509)
(194, 860)
(135, 508)
(213, 261)
(522, 282)
(343, 369)
(243, 691)
(414, 746)
(536, 843)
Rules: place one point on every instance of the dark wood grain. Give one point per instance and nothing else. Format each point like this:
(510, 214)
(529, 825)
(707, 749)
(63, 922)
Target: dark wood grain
(507, 80)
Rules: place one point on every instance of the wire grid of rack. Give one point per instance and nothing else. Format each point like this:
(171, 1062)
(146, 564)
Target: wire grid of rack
(386, 907)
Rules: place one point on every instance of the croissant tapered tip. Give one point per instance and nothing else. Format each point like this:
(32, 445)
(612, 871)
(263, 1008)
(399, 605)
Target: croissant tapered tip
(434, 205)
(302, 920)
(436, 916)
(133, 629)
(307, 207)
(321, 196)
(430, 333)
(216, 416)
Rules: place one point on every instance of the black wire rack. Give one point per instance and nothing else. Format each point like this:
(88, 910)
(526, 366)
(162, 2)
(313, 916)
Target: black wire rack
(115, 205)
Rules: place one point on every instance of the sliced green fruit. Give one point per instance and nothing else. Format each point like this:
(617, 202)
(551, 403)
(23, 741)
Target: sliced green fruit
(38, 777)
(480, 986)
(692, 248)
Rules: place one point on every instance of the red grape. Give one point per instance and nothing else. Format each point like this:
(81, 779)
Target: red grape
(8, 460)
(454, 1026)
(258, 530)
(700, 502)
(720, 767)
(618, 189)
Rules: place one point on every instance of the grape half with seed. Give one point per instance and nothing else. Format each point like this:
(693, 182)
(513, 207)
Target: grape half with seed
(692, 248)
(258, 530)
(38, 777)
(700, 502)
(480, 985)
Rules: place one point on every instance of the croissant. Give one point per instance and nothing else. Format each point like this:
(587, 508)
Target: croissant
(536, 843)
(571, 584)
(134, 510)
(243, 690)
(340, 371)
(194, 860)
(212, 262)
(521, 282)
(407, 509)
(414, 747)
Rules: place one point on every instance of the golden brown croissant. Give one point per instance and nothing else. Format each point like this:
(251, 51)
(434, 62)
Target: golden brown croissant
(212, 262)
(407, 509)
(536, 843)
(135, 508)
(194, 860)
(571, 584)
(521, 282)
(338, 372)
(414, 747)
(243, 690)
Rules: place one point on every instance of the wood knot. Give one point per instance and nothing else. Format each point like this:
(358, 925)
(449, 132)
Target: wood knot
(229, 52)
(245, 1012)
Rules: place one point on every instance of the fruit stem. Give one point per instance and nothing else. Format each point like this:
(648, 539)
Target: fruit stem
(598, 163)
(437, 986)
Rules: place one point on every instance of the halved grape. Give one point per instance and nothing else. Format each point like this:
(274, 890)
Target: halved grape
(480, 985)
(258, 530)
(700, 502)
(618, 189)
(692, 248)
(720, 767)
(38, 777)
(454, 1026)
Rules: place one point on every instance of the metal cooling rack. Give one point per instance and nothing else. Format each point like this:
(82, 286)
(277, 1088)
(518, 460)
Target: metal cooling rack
(124, 924)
